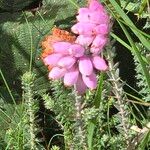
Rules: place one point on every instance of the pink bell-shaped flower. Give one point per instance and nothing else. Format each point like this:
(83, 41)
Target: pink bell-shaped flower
(84, 40)
(76, 50)
(71, 76)
(61, 47)
(83, 10)
(99, 63)
(90, 81)
(57, 73)
(66, 62)
(77, 61)
(52, 59)
(99, 42)
(85, 66)
(102, 29)
(84, 15)
(95, 5)
(96, 50)
(83, 28)
(95, 17)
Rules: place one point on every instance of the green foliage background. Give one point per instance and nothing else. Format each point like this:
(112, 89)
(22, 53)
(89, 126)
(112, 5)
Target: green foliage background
(21, 32)
(14, 5)
(20, 36)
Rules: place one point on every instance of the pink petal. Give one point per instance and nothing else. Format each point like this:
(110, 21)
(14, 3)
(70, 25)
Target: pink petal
(104, 18)
(85, 65)
(56, 73)
(76, 50)
(83, 17)
(52, 59)
(90, 81)
(83, 28)
(99, 18)
(66, 61)
(94, 17)
(83, 10)
(99, 63)
(61, 47)
(80, 85)
(95, 5)
(84, 40)
(71, 76)
(102, 29)
(99, 42)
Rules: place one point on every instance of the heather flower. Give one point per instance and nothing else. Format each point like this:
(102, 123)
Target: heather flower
(90, 81)
(60, 47)
(74, 66)
(84, 28)
(71, 76)
(77, 60)
(92, 26)
(95, 5)
(85, 66)
(66, 62)
(76, 50)
(98, 43)
(52, 59)
(56, 73)
(84, 40)
(99, 63)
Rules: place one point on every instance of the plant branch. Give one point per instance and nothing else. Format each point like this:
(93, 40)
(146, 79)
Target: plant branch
(118, 92)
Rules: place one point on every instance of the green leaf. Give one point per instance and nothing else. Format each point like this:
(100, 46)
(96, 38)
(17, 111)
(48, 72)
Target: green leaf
(145, 142)
(97, 101)
(142, 39)
(90, 129)
(20, 38)
(98, 95)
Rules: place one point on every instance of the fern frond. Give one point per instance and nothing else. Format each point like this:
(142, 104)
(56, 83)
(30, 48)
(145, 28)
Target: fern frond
(15, 51)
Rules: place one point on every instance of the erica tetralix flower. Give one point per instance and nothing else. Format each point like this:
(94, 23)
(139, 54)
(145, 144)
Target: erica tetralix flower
(72, 62)
(77, 59)
(92, 26)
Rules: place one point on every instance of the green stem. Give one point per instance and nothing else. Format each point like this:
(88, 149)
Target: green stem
(79, 131)
(9, 91)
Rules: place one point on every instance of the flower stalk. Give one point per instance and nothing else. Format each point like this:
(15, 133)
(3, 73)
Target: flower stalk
(79, 125)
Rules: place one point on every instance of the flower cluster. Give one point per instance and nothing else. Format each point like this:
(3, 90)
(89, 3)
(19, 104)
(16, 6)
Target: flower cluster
(92, 27)
(76, 60)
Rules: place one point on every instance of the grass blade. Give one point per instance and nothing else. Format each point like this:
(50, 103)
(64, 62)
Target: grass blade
(118, 9)
(98, 95)
(137, 53)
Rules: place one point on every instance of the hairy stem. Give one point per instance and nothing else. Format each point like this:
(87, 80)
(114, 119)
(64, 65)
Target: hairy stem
(119, 94)
(31, 119)
(27, 82)
(79, 129)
